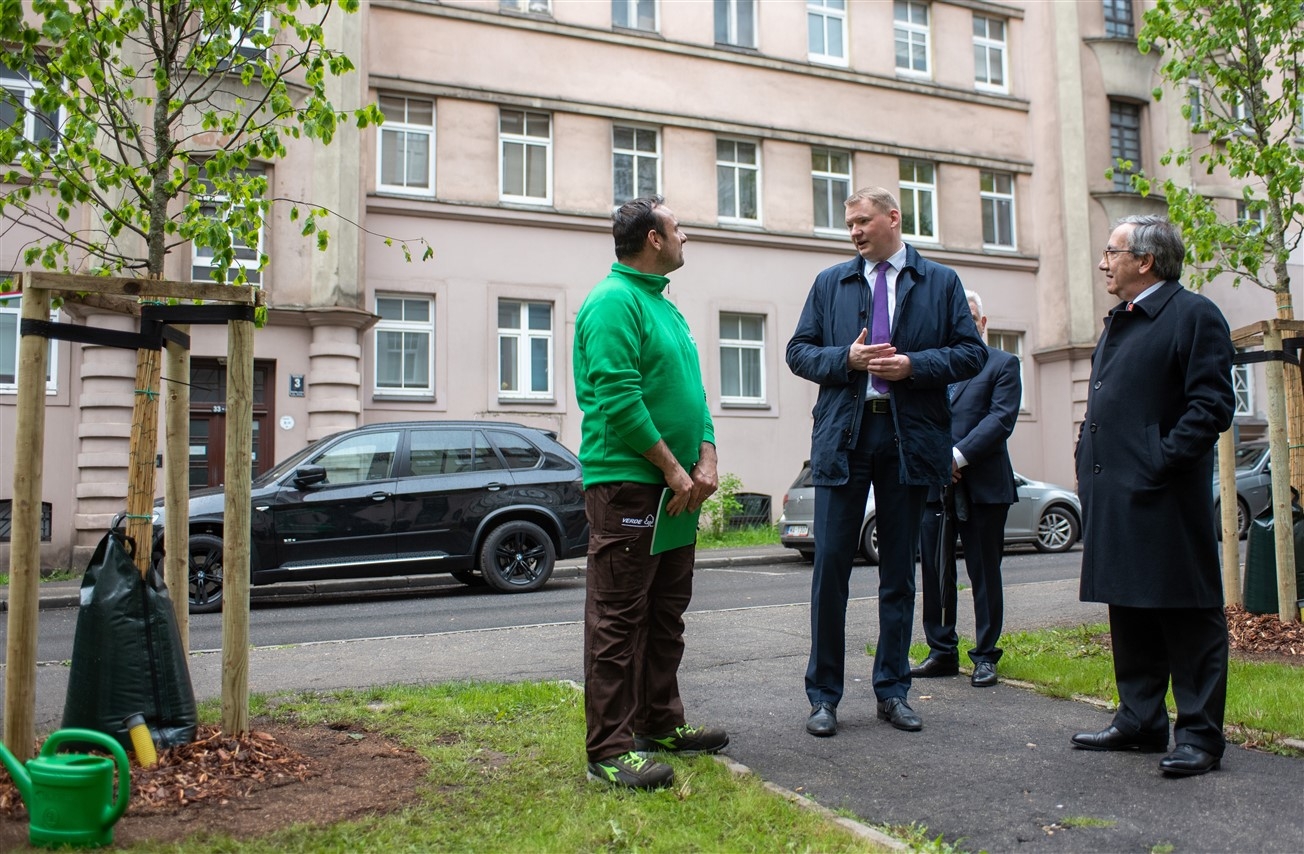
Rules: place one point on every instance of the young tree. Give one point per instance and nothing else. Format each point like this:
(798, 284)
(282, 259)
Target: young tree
(1237, 62)
(130, 128)
(151, 113)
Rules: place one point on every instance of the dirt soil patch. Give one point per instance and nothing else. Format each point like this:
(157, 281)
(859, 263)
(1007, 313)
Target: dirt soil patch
(276, 776)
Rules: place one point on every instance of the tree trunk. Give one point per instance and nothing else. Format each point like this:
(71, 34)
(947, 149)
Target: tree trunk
(1294, 403)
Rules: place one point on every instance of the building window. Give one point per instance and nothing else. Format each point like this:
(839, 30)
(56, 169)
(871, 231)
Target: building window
(989, 54)
(830, 173)
(1124, 143)
(16, 108)
(405, 335)
(1118, 19)
(918, 200)
(735, 22)
(526, 144)
(737, 172)
(525, 349)
(1243, 388)
(826, 25)
(249, 37)
(997, 192)
(635, 163)
(635, 14)
(535, 7)
(1010, 342)
(1251, 216)
(246, 256)
(911, 37)
(407, 144)
(10, 315)
(1195, 104)
(742, 358)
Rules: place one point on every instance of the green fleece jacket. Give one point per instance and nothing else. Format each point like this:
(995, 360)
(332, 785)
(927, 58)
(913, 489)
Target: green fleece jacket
(637, 378)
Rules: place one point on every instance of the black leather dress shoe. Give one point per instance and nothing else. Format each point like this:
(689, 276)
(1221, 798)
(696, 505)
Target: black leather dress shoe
(1187, 760)
(936, 665)
(1113, 738)
(984, 674)
(896, 712)
(823, 720)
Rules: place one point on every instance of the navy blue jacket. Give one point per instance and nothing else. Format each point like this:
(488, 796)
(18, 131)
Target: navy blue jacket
(931, 325)
(984, 411)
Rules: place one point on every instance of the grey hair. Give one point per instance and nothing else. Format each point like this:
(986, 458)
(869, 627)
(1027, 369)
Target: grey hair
(880, 198)
(1158, 237)
(972, 296)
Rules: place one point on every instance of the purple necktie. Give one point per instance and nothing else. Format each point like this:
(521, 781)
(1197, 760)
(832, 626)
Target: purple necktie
(880, 329)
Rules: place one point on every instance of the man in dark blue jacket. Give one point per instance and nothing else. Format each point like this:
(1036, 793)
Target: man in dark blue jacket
(984, 411)
(883, 335)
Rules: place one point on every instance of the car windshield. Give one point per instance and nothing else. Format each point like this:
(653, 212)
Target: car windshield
(1248, 456)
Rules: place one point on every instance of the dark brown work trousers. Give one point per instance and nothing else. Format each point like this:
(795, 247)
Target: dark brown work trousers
(633, 620)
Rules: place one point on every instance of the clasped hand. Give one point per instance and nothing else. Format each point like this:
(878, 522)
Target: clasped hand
(881, 360)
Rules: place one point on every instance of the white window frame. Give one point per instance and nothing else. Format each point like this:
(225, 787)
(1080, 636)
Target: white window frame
(825, 182)
(11, 305)
(527, 7)
(1254, 220)
(526, 142)
(993, 202)
(22, 89)
(405, 328)
(732, 22)
(525, 338)
(919, 192)
(202, 256)
(743, 345)
(632, 17)
(406, 131)
(738, 171)
(911, 28)
(637, 156)
(821, 17)
(1195, 103)
(1011, 342)
(988, 47)
(1243, 389)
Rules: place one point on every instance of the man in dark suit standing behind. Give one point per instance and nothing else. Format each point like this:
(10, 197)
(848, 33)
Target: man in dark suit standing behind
(1160, 393)
(983, 413)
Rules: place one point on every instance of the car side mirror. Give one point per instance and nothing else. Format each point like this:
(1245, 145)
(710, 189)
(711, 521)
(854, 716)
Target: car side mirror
(309, 475)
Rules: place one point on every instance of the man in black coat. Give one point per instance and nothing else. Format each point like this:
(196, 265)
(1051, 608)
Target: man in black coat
(1160, 393)
(983, 414)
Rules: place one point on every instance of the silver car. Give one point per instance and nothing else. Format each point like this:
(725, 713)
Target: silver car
(1046, 516)
(1253, 485)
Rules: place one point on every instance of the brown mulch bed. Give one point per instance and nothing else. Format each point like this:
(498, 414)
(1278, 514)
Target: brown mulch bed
(275, 776)
(1264, 635)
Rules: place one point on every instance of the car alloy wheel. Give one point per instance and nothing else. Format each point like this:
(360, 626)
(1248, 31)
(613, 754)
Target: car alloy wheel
(205, 573)
(517, 557)
(1057, 530)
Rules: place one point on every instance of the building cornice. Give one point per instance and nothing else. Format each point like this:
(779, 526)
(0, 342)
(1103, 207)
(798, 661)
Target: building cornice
(1064, 353)
(655, 41)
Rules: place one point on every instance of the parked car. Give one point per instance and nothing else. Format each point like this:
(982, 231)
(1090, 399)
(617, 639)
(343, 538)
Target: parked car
(1253, 486)
(488, 502)
(1048, 517)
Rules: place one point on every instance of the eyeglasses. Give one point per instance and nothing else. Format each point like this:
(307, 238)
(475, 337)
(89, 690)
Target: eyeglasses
(1109, 250)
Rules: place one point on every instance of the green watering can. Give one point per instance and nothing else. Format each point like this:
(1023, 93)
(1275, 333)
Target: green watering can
(69, 796)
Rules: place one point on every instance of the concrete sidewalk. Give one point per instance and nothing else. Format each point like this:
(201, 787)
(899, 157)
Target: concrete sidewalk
(991, 770)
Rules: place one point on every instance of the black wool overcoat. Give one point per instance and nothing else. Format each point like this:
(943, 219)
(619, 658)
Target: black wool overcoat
(1159, 395)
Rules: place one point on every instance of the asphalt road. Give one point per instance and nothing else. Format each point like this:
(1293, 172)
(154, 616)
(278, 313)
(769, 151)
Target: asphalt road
(456, 607)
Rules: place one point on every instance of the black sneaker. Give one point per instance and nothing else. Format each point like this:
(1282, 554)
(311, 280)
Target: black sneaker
(684, 740)
(632, 771)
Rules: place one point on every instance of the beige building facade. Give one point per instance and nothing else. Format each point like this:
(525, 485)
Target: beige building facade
(513, 128)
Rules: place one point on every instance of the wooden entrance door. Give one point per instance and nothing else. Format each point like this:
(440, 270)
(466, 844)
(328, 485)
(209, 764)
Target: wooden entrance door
(208, 420)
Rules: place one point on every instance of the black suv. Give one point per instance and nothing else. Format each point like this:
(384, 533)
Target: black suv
(488, 502)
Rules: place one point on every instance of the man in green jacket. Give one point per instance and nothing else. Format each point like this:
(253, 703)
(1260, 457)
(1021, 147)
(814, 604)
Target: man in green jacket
(646, 429)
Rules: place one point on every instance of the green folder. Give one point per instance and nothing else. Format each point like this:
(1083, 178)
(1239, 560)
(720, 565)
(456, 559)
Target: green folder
(671, 532)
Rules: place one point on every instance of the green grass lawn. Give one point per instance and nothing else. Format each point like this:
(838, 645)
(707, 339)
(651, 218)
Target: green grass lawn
(507, 774)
